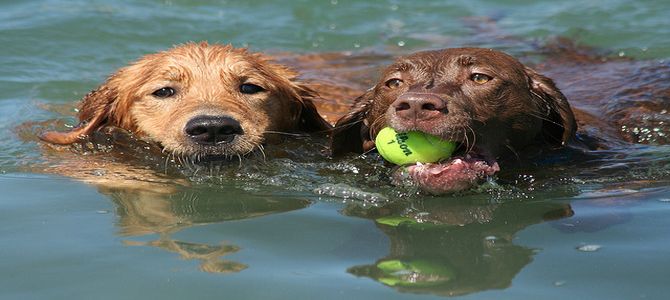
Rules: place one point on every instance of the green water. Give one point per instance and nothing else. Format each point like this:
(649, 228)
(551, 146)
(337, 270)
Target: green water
(273, 232)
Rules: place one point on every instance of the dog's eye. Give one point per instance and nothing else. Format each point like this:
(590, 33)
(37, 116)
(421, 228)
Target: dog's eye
(480, 78)
(394, 83)
(164, 92)
(249, 88)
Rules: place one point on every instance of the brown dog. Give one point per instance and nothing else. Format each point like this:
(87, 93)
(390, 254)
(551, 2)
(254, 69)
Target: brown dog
(483, 99)
(199, 100)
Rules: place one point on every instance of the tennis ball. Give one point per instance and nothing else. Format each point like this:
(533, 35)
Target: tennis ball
(412, 147)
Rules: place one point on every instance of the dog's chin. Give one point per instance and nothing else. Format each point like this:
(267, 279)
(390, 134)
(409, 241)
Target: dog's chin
(453, 175)
(462, 171)
(465, 170)
(223, 152)
(214, 158)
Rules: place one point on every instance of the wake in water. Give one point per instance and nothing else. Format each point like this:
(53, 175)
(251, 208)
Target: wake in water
(300, 164)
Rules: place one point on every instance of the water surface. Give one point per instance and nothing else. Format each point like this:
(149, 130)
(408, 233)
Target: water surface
(299, 225)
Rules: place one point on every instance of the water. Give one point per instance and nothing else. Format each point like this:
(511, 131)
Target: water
(300, 225)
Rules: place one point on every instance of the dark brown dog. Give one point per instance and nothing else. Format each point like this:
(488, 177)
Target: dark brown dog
(483, 99)
(199, 100)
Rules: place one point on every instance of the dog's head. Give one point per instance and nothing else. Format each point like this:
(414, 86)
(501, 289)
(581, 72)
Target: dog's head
(199, 100)
(483, 99)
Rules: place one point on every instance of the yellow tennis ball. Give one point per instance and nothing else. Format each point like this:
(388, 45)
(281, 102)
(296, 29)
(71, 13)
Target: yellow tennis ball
(402, 148)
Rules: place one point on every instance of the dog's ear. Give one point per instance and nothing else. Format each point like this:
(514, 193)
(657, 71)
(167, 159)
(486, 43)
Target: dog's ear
(352, 132)
(108, 105)
(94, 112)
(310, 120)
(304, 115)
(559, 125)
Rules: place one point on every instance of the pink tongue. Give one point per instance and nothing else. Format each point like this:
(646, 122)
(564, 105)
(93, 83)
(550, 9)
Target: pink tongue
(453, 176)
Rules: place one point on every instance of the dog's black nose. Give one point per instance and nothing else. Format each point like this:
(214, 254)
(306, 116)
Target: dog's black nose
(213, 130)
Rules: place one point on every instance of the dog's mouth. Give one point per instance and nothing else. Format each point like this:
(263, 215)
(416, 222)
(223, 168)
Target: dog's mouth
(216, 158)
(222, 155)
(457, 173)
(233, 151)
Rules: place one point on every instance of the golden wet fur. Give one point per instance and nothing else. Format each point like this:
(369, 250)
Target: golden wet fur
(206, 80)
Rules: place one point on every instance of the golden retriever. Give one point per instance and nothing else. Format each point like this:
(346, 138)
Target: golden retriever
(199, 100)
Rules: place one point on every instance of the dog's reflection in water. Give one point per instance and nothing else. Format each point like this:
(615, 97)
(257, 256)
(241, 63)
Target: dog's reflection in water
(449, 247)
(143, 213)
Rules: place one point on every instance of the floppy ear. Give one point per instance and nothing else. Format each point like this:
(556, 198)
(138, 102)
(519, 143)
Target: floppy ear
(310, 120)
(559, 125)
(307, 117)
(351, 133)
(94, 112)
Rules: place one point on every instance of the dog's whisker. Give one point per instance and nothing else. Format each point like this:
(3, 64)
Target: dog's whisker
(288, 133)
(512, 150)
(348, 124)
(262, 150)
(474, 138)
(360, 155)
(371, 149)
(165, 166)
(543, 118)
(466, 139)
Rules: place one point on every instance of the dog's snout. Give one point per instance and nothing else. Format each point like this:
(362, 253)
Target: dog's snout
(213, 130)
(419, 106)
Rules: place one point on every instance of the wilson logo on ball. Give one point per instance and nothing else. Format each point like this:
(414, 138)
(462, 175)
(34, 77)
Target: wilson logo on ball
(401, 138)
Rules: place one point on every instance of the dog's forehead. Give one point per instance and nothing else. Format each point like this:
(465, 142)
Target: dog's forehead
(196, 60)
(454, 60)
(212, 59)
(208, 64)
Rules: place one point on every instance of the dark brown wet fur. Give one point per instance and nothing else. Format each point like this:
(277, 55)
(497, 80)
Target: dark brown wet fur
(617, 100)
(515, 108)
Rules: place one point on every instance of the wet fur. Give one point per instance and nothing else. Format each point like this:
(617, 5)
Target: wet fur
(524, 108)
(207, 79)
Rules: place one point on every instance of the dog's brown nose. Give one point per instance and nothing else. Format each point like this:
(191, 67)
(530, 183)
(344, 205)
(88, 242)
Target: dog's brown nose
(419, 106)
(213, 130)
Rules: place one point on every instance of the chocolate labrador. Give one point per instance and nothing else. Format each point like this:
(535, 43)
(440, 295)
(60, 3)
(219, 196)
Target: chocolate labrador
(485, 100)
